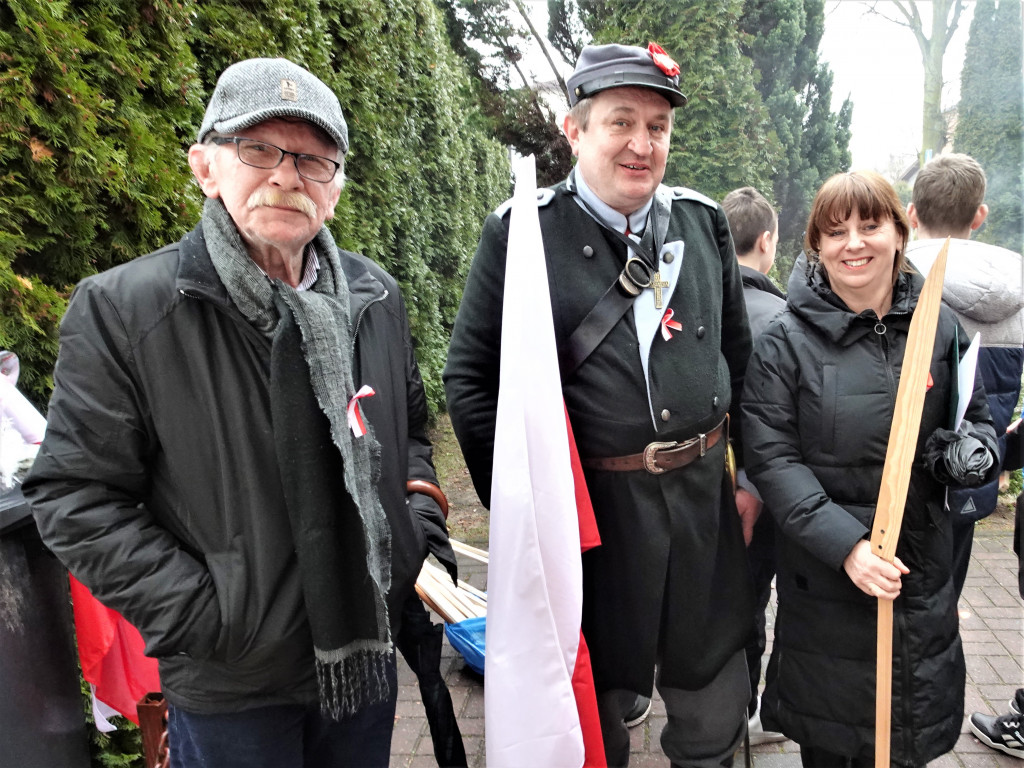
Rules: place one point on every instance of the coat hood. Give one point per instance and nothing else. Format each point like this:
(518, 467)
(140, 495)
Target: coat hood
(983, 282)
(812, 299)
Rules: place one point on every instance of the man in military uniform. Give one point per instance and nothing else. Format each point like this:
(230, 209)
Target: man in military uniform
(653, 343)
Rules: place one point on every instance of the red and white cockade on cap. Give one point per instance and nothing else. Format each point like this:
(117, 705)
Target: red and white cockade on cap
(662, 60)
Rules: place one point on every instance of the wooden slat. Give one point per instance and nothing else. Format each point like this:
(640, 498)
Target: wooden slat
(892, 494)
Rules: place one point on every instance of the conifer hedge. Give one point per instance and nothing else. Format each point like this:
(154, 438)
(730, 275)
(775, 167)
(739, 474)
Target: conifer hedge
(95, 101)
(990, 124)
(100, 99)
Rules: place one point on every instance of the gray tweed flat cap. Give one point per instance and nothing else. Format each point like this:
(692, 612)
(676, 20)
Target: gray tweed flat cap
(256, 90)
(601, 67)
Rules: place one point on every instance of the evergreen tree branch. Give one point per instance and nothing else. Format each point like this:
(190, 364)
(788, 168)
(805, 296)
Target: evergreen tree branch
(529, 87)
(543, 46)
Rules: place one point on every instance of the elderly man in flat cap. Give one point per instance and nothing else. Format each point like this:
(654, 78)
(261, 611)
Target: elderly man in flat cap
(234, 421)
(653, 342)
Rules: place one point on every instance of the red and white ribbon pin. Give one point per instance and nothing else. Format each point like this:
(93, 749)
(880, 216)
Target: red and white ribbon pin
(668, 323)
(355, 415)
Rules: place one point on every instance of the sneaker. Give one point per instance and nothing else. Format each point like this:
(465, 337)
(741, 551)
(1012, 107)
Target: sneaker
(1014, 709)
(639, 712)
(757, 734)
(1002, 732)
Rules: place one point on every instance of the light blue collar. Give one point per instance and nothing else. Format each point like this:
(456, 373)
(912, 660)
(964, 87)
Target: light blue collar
(608, 215)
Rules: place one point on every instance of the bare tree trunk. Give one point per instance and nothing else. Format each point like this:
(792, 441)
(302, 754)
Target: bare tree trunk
(933, 48)
(933, 126)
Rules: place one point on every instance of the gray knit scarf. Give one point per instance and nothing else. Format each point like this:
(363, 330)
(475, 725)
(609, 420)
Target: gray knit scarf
(340, 530)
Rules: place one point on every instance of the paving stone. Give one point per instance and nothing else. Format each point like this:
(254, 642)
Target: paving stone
(980, 672)
(1000, 596)
(1013, 624)
(999, 611)
(948, 760)
(988, 759)
(1008, 668)
(776, 760)
(406, 735)
(1012, 639)
(976, 595)
(998, 697)
(977, 635)
(987, 650)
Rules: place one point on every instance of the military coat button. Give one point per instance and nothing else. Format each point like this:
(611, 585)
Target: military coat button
(668, 258)
(666, 415)
(588, 251)
(701, 332)
(714, 401)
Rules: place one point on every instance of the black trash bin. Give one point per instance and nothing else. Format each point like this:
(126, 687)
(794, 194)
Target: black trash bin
(42, 723)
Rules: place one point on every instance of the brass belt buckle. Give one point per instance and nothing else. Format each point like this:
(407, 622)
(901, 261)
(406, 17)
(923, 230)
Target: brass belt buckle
(649, 456)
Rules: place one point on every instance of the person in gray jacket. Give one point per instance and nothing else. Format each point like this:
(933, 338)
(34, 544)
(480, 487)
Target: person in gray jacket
(984, 287)
(234, 421)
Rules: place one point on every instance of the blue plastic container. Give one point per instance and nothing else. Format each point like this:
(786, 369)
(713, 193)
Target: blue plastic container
(467, 637)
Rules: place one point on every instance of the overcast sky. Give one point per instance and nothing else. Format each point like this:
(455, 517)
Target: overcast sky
(877, 63)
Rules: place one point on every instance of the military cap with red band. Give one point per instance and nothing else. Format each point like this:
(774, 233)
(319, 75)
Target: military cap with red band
(601, 67)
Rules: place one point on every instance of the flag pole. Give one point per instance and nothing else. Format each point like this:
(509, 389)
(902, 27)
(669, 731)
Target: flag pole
(892, 494)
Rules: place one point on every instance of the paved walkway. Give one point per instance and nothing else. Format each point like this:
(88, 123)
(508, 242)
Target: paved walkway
(990, 623)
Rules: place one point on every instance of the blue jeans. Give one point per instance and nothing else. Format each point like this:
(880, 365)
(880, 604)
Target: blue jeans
(287, 736)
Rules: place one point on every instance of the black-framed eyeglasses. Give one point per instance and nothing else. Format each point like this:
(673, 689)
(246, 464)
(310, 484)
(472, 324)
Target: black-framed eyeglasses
(260, 154)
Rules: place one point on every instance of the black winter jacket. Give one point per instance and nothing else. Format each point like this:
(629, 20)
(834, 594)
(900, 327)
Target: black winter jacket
(763, 300)
(818, 404)
(157, 483)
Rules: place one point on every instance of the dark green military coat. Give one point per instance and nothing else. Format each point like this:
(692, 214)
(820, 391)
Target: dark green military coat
(670, 579)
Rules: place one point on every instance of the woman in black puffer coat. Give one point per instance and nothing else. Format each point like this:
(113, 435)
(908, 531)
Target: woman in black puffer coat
(817, 407)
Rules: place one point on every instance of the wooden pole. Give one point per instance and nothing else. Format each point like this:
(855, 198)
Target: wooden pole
(453, 603)
(892, 494)
(465, 549)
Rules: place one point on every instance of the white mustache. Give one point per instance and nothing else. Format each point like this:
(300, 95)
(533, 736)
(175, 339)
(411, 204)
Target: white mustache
(273, 198)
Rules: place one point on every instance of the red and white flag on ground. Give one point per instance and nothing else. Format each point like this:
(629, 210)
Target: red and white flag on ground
(111, 652)
(539, 700)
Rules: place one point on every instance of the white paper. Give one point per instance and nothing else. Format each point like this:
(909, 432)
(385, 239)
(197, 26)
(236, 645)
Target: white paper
(968, 368)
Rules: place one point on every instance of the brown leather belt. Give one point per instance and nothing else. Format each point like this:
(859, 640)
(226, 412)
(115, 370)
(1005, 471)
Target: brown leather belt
(658, 458)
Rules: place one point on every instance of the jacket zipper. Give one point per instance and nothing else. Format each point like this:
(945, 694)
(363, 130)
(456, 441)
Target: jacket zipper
(883, 342)
(359, 316)
(250, 329)
(906, 697)
(230, 313)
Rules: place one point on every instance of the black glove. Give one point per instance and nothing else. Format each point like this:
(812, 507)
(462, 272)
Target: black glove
(957, 458)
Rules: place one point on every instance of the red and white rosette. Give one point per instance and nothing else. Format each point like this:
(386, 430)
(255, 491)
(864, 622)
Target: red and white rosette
(355, 415)
(668, 324)
(662, 60)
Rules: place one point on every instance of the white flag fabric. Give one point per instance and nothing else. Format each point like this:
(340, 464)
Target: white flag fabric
(535, 580)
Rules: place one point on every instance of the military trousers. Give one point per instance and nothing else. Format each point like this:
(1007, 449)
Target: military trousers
(704, 727)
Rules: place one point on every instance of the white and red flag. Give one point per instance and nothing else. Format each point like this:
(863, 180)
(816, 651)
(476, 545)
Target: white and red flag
(540, 705)
(111, 652)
